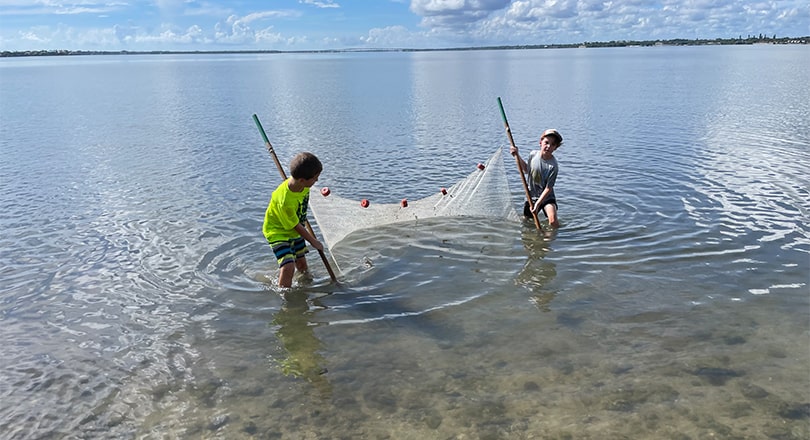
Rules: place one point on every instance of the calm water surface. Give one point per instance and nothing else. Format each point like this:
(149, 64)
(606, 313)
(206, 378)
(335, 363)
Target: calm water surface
(137, 300)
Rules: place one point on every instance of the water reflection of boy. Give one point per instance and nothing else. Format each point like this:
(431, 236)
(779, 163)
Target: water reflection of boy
(538, 272)
(298, 340)
(542, 169)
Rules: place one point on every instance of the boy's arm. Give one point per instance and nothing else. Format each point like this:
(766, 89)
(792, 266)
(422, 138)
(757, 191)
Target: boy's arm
(301, 229)
(542, 197)
(524, 167)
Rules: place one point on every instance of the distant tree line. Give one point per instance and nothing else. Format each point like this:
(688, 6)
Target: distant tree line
(750, 39)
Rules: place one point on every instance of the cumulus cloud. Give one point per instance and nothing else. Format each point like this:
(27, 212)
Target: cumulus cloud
(239, 29)
(125, 33)
(268, 36)
(96, 38)
(571, 21)
(99, 37)
(455, 13)
(391, 37)
(32, 36)
(234, 31)
(135, 38)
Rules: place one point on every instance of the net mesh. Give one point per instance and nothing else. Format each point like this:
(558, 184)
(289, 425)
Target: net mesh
(483, 193)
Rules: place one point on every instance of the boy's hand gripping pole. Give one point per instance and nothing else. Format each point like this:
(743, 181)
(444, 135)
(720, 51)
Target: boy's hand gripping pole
(284, 177)
(520, 167)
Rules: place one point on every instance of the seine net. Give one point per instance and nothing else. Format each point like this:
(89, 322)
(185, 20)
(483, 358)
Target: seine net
(483, 193)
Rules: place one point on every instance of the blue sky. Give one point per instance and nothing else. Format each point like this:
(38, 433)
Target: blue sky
(342, 24)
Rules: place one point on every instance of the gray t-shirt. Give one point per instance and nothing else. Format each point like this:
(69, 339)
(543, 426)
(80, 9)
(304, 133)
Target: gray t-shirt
(542, 174)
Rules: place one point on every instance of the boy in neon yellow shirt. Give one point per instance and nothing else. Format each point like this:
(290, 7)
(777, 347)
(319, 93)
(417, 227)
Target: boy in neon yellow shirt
(286, 216)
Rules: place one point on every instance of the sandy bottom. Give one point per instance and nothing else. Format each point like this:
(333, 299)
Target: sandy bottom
(540, 374)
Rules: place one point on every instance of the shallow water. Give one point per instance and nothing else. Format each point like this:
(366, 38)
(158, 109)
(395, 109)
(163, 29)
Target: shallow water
(137, 298)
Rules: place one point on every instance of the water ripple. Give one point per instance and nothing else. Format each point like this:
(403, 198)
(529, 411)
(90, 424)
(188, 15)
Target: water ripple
(137, 296)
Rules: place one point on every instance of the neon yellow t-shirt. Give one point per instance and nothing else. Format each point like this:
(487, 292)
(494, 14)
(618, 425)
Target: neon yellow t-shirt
(285, 210)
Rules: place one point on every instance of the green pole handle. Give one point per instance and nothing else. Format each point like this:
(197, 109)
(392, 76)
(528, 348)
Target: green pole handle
(500, 105)
(270, 147)
(261, 130)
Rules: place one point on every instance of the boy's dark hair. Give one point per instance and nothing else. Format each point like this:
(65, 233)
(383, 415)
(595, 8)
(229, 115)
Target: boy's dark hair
(305, 166)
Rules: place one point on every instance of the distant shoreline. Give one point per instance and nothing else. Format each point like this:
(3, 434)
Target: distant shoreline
(620, 43)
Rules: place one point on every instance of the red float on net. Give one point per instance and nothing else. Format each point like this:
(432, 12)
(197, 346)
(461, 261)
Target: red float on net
(325, 191)
(480, 166)
(404, 203)
(364, 203)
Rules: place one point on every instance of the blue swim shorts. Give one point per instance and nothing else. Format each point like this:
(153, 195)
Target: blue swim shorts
(290, 250)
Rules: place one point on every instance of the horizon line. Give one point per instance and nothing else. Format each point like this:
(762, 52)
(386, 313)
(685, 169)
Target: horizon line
(586, 44)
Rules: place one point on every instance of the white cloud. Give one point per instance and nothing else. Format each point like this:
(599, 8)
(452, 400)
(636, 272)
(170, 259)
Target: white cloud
(94, 37)
(125, 34)
(391, 37)
(267, 36)
(455, 14)
(238, 30)
(456, 7)
(268, 14)
(320, 4)
(572, 21)
(31, 36)
(169, 36)
(80, 10)
(48, 7)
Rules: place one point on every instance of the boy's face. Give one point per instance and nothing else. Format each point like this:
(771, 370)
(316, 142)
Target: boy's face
(547, 146)
(309, 182)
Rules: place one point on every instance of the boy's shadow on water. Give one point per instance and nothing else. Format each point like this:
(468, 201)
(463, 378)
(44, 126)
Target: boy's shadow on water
(538, 272)
(296, 334)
